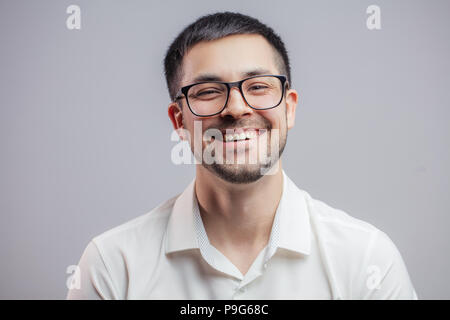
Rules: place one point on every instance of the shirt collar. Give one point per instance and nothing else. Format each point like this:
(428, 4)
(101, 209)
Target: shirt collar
(181, 232)
(291, 229)
(294, 228)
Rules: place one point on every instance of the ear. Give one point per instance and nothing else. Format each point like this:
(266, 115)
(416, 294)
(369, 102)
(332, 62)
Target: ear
(176, 117)
(291, 106)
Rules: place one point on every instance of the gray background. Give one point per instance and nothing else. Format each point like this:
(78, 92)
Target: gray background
(85, 138)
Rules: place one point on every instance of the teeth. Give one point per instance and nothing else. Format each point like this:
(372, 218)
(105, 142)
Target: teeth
(240, 136)
(228, 137)
(250, 134)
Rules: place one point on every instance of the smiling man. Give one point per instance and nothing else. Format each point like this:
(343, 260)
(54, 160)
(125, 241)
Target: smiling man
(241, 229)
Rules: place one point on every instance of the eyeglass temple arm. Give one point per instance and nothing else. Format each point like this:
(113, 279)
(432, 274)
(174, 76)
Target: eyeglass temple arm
(179, 96)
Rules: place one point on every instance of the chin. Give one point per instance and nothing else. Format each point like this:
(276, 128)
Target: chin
(237, 173)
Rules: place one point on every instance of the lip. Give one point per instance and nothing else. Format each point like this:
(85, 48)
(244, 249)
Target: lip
(258, 132)
(241, 130)
(247, 142)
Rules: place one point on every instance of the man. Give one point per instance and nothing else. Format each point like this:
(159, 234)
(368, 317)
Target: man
(242, 229)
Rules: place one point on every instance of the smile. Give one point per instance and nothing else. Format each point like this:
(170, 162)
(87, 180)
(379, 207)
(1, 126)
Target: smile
(247, 135)
(230, 135)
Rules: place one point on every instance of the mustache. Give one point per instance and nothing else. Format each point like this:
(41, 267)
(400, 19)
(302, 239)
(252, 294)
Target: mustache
(242, 123)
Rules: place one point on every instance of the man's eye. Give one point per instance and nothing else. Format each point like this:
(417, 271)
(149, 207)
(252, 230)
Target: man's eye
(258, 87)
(207, 94)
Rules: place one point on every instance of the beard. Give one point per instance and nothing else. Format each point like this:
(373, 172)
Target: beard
(247, 173)
(244, 173)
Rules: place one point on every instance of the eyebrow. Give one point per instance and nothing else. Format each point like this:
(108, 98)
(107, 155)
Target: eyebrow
(212, 77)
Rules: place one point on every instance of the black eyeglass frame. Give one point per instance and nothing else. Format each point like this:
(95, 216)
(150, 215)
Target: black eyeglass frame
(184, 90)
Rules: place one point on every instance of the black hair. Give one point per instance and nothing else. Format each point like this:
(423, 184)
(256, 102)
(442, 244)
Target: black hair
(212, 27)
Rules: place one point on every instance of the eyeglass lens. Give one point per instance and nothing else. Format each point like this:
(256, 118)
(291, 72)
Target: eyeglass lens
(210, 97)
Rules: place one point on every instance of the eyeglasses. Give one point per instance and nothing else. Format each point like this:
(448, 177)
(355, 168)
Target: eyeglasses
(210, 98)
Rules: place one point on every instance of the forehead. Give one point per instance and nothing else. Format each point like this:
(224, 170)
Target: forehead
(229, 58)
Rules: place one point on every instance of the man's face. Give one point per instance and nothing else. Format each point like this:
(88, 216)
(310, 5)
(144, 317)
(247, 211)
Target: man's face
(230, 59)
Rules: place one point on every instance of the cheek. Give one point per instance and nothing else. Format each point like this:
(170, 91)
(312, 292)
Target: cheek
(196, 127)
(276, 117)
(188, 124)
(189, 120)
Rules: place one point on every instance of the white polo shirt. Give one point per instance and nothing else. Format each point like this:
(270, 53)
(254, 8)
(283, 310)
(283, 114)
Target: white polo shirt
(314, 252)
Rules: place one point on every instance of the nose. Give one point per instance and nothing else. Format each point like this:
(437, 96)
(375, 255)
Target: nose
(236, 106)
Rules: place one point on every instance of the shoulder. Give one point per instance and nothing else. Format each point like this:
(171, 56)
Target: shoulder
(352, 235)
(343, 241)
(337, 223)
(337, 233)
(147, 228)
(112, 257)
(363, 262)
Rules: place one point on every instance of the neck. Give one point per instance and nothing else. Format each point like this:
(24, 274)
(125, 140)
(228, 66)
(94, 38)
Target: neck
(239, 215)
